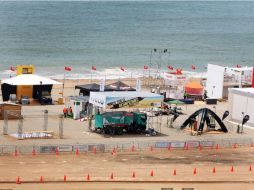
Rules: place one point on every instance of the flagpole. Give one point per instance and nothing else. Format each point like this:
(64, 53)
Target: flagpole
(131, 79)
(63, 86)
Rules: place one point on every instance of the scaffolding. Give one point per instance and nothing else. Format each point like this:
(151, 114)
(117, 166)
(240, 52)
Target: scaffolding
(154, 120)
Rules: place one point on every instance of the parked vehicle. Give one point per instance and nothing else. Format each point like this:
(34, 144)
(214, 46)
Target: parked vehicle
(120, 121)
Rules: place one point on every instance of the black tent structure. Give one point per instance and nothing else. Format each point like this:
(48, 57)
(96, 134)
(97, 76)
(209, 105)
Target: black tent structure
(84, 90)
(205, 118)
(93, 87)
(120, 86)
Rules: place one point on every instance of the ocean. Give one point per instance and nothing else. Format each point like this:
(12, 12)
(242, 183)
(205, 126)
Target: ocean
(109, 35)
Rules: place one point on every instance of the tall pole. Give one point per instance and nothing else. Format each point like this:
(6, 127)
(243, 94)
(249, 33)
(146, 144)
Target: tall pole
(131, 79)
(63, 86)
(150, 64)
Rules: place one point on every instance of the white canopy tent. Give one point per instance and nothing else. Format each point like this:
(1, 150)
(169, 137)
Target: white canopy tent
(26, 85)
(241, 102)
(29, 79)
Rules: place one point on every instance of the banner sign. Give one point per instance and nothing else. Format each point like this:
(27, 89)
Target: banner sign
(81, 148)
(177, 144)
(138, 85)
(162, 144)
(65, 148)
(192, 144)
(47, 149)
(99, 147)
(102, 85)
(207, 143)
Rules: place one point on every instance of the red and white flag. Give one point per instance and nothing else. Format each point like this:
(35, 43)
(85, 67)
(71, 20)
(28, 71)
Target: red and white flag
(170, 67)
(94, 68)
(67, 68)
(238, 66)
(145, 67)
(12, 68)
(193, 67)
(122, 68)
(179, 71)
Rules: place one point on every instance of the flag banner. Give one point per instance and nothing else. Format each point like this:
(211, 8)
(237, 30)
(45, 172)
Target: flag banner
(170, 68)
(102, 85)
(94, 68)
(122, 68)
(138, 85)
(193, 67)
(67, 68)
(145, 67)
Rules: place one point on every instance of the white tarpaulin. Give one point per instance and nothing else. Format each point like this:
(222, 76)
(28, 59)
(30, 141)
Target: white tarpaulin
(29, 79)
(144, 99)
(241, 102)
(215, 80)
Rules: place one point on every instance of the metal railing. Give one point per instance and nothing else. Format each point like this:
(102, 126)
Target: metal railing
(124, 146)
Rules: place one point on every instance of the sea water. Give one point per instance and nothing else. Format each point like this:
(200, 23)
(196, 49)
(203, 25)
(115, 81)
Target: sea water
(112, 34)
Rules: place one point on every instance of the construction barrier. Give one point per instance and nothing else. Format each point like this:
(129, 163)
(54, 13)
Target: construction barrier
(124, 146)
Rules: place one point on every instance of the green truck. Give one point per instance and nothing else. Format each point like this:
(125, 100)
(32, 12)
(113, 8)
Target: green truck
(118, 122)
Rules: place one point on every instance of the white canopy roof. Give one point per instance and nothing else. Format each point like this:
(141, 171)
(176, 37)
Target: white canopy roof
(29, 79)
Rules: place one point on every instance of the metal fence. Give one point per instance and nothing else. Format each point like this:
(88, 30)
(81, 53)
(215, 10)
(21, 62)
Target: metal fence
(43, 121)
(124, 146)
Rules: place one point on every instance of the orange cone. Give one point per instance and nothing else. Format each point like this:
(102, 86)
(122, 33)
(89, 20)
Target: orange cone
(250, 168)
(169, 147)
(65, 178)
(234, 146)
(88, 177)
(174, 172)
(186, 147)
(57, 152)
(112, 176)
(133, 175)
(151, 173)
(195, 171)
(113, 151)
(33, 153)
(133, 148)
(41, 179)
(200, 147)
(217, 147)
(77, 151)
(94, 150)
(232, 169)
(16, 152)
(18, 181)
(214, 170)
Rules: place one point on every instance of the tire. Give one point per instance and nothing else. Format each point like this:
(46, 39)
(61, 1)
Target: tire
(138, 131)
(119, 131)
(112, 131)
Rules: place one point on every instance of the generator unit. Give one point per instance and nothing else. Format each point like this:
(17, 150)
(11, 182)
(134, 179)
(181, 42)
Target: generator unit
(119, 122)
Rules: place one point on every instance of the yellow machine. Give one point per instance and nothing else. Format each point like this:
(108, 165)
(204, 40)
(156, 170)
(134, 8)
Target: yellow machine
(25, 89)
